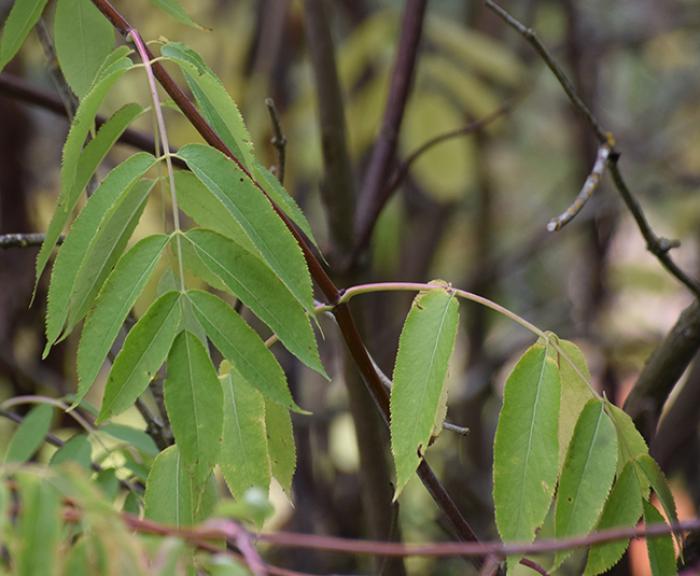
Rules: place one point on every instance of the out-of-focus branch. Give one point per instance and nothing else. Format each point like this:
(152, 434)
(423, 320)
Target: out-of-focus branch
(657, 245)
(279, 141)
(23, 240)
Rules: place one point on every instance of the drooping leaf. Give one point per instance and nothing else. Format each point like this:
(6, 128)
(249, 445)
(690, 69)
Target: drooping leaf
(83, 38)
(250, 280)
(280, 444)
(526, 446)
(630, 443)
(244, 458)
(217, 107)
(117, 297)
(30, 434)
(659, 484)
(420, 374)
(39, 527)
(253, 211)
(72, 253)
(132, 436)
(91, 157)
(194, 401)
(77, 449)
(143, 353)
(587, 474)
(575, 392)
(175, 9)
(171, 496)
(105, 248)
(241, 346)
(622, 510)
(662, 558)
(22, 18)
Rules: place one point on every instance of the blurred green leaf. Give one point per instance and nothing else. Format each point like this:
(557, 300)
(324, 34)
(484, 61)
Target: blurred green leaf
(30, 434)
(22, 18)
(662, 558)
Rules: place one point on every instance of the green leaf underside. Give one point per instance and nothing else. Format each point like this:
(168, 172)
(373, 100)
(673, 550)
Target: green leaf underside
(659, 484)
(283, 200)
(242, 347)
(118, 295)
(171, 496)
(77, 450)
(249, 279)
(105, 248)
(216, 105)
(22, 18)
(255, 214)
(39, 527)
(244, 458)
(587, 474)
(526, 445)
(175, 9)
(575, 392)
(425, 346)
(662, 558)
(132, 436)
(92, 155)
(144, 351)
(72, 253)
(30, 434)
(630, 443)
(83, 38)
(280, 444)
(622, 510)
(194, 401)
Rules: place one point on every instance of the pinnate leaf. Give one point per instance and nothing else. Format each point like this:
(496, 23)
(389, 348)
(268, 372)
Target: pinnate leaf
(587, 474)
(659, 484)
(280, 444)
(250, 280)
(30, 434)
(526, 446)
(242, 347)
(143, 353)
(22, 18)
(83, 38)
(194, 402)
(622, 510)
(662, 558)
(238, 195)
(426, 344)
(117, 297)
(244, 458)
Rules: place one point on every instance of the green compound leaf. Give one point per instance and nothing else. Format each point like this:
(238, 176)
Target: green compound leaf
(98, 211)
(244, 458)
(587, 474)
(174, 8)
(77, 449)
(83, 39)
(622, 510)
(91, 157)
(575, 392)
(30, 434)
(217, 107)
(280, 444)
(659, 484)
(118, 295)
(253, 211)
(250, 280)
(194, 401)
(22, 18)
(171, 495)
(143, 353)
(662, 557)
(242, 347)
(526, 446)
(417, 399)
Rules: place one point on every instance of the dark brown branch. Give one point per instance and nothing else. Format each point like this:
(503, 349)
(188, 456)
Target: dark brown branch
(279, 141)
(329, 289)
(370, 201)
(23, 240)
(655, 244)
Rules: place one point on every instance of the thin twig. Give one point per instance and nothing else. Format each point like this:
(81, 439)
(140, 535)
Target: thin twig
(24, 240)
(279, 140)
(586, 192)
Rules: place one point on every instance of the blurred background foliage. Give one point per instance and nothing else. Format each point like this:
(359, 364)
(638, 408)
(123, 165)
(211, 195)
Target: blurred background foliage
(472, 211)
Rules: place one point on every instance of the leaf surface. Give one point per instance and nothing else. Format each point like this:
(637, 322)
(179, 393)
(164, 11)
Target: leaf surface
(631, 444)
(526, 446)
(144, 351)
(77, 449)
(659, 484)
(280, 444)
(662, 558)
(132, 436)
(39, 527)
(30, 434)
(22, 18)
(420, 373)
(175, 9)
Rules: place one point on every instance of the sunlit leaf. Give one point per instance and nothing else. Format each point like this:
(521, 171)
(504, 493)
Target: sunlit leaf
(526, 446)
(83, 38)
(280, 444)
(662, 558)
(143, 353)
(426, 344)
(22, 18)
(30, 434)
(194, 400)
